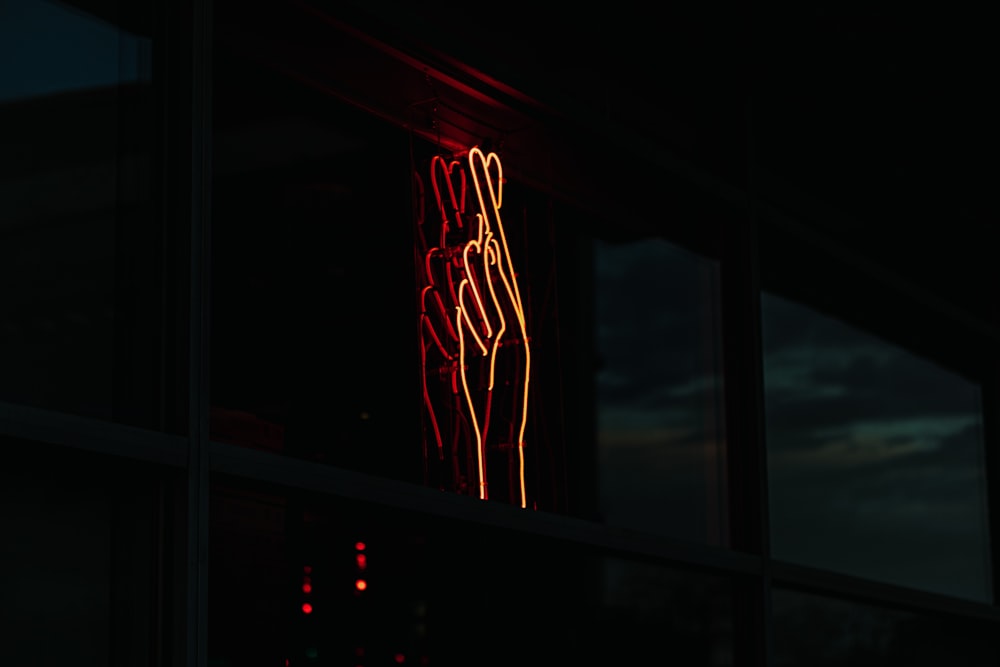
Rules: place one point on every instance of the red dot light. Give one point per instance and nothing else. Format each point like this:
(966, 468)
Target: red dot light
(307, 608)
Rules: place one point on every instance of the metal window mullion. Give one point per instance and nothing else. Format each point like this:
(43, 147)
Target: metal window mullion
(744, 395)
(991, 438)
(746, 457)
(196, 654)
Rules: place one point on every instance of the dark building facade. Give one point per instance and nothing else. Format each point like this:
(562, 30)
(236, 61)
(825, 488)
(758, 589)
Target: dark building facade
(363, 333)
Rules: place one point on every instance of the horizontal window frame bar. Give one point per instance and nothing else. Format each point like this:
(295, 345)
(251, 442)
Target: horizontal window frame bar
(94, 435)
(825, 583)
(260, 466)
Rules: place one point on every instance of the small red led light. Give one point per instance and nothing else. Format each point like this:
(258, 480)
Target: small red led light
(360, 546)
(400, 658)
(361, 584)
(307, 608)
(362, 561)
(307, 588)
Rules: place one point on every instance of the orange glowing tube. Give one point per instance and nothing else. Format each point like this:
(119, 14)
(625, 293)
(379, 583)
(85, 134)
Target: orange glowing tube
(472, 407)
(527, 370)
(468, 269)
(505, 269)
(468, 320)
(491, 243)
(495, 201)
(496, 194)
(475, 287)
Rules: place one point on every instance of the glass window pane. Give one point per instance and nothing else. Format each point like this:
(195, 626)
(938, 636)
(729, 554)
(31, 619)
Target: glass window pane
(370, 310)
(826, 632)
(335, 291)
(487, 331)
(652, 613)
(658, 390)
(80, 240)
(313, 315)
(875, 456)
(300, 579)
(82, 536)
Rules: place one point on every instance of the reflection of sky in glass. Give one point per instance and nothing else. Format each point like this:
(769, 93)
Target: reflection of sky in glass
(658, 390)
(649, 610)
(824, 632)
(875, 457)
(46, 47)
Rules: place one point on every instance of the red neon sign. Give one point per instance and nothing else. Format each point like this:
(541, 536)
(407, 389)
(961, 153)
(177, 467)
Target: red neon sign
(474, 344)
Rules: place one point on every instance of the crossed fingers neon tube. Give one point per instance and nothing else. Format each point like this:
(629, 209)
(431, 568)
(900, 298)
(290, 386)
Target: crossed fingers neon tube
(470, 272)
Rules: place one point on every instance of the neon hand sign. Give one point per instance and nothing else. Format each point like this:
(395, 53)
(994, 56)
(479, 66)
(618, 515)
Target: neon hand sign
(474, 344)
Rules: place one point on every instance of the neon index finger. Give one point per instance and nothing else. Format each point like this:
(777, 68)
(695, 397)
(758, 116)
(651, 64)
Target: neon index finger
(492, 254)
(496, 193)
(475, 287)
(464, 315)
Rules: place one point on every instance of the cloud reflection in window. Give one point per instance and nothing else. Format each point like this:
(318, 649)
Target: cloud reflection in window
(659, 390)
(875, 456)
